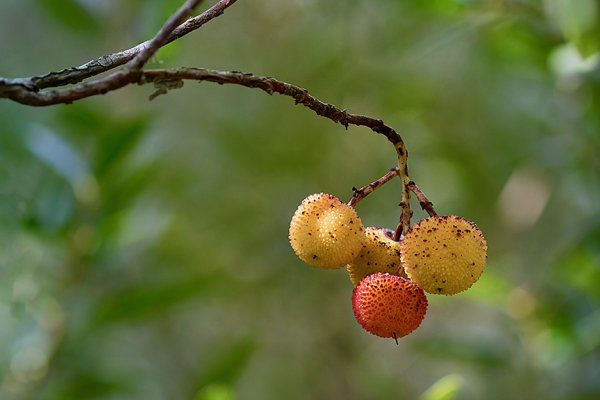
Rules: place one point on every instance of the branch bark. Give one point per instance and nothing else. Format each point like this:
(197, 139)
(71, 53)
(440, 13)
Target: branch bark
(108, 62)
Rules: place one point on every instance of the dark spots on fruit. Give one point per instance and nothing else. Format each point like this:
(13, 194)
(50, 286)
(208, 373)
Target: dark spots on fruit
(309, 234)
(315, 257)
(439, 290)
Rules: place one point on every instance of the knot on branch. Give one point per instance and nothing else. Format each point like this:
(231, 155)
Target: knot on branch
(164, 85)
(342, 118)
(301, 97)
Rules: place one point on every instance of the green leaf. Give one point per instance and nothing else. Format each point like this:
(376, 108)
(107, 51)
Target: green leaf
(578, 20)
(113, 139)
(54, 151)
(465, 351)
(84, 384)
(118, 143)
(147, 300)
(71, 14)
(227, 363)
(444, 389)
(126, 187)
(215, 391)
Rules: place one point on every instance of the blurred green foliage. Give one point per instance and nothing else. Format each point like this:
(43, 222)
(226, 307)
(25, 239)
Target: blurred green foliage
(144, 244)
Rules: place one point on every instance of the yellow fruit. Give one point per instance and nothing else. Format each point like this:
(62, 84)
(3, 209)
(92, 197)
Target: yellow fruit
(444, 254)
(325, 232)
(379, 253)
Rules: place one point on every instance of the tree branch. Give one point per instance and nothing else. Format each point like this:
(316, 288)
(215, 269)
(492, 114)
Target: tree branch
(272, 85)
(30, 96)
(161, 37)
(105, 63)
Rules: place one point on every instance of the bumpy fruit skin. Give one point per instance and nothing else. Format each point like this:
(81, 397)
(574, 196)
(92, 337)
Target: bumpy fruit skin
(388, 305)
(379, 253)
(325, 232)
(444, 254)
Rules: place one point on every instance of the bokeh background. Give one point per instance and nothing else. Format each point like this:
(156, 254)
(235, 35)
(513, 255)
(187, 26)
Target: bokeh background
(143, 245)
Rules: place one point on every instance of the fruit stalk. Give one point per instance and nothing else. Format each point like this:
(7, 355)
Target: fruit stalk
(364, 191)
(406, 214)
(426, 205)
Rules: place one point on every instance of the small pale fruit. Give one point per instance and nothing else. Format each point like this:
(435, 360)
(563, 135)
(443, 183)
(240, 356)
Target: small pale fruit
(388, 305)
(325, 232)
(444, 254)
(379, 253)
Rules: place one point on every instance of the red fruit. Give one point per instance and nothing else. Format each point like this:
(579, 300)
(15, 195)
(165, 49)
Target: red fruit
(388, 305)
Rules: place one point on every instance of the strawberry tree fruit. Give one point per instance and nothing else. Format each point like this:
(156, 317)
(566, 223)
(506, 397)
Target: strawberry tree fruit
(379, 253)
(388, 305)
(325, 232)
(444, 254)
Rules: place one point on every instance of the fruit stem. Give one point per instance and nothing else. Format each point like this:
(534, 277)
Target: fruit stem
(359, 194)
(407, 186)
(426, 205)
(406, 214)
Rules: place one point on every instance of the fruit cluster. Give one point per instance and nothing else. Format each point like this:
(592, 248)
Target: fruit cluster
(438, 255)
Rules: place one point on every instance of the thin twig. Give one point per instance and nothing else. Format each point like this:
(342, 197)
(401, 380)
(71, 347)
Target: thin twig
(105, 63)
(364, 191)
(423, 200)
(116, 80)
(398, 232)
(163, 34)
